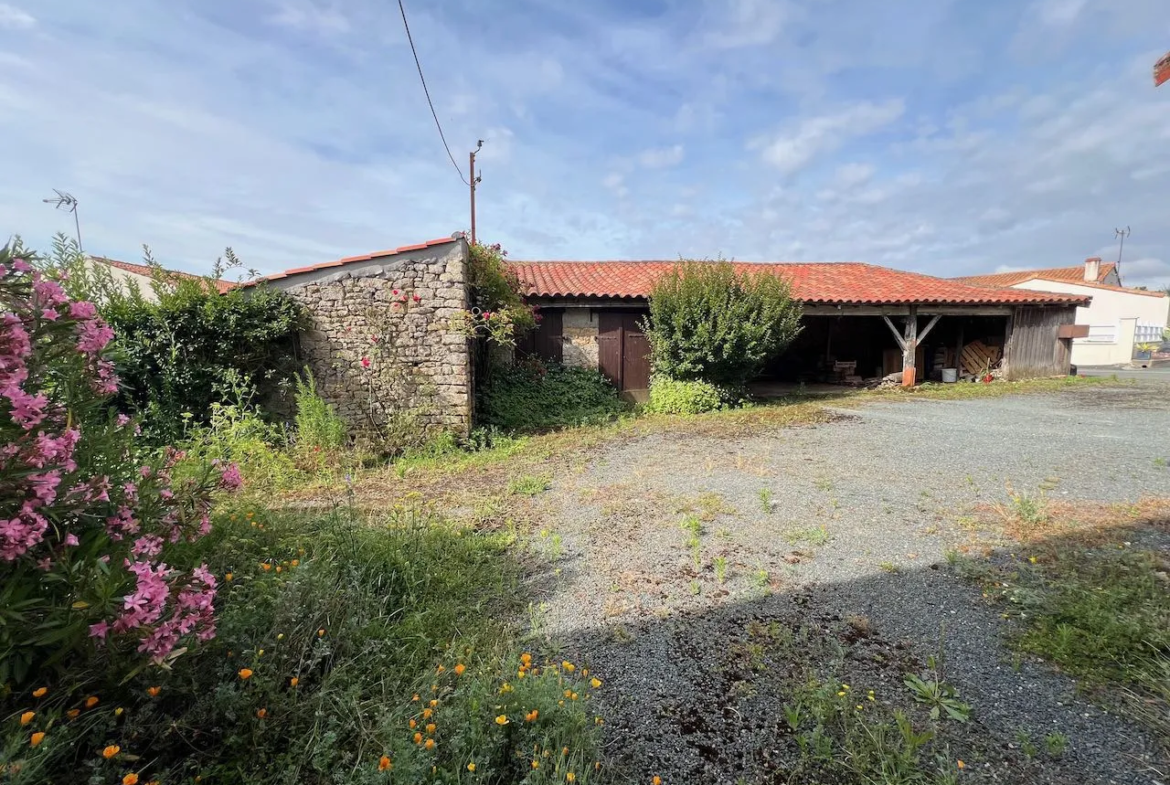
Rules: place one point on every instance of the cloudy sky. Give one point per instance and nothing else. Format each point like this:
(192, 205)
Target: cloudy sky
(945, 136)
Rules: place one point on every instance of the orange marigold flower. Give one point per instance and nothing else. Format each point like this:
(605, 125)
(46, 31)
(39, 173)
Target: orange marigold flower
(27, 717)
(427, 713)
(430, 727)
(434, 703)
(295, 563)
(91, 701)
(294, 681)
(130, 779)
(262, 713)
(459, 669)
(40, 692)
(418, 738)
(73, 713)
(568, 693)
(227, 576)
(384, 763)
(321, 633)
(531, 716)
(266, 566)
(415, 698)
(412, 724)
(37, 738)
(656, 780)
(526, 658)
(429, 744)
(962, 765)
(502, 719)
(564, 750)
(245, 673)
(153, 691)
(111, 751)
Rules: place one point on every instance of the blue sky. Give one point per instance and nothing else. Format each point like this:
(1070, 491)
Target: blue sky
(945, 136)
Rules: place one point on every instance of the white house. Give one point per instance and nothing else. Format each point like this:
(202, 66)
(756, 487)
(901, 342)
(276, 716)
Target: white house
(1115, 322)
(128, 274)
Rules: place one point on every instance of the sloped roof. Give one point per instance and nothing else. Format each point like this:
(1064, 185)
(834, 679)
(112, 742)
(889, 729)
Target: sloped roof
(830, 283)
(352, 259)
(1067, 274)
(147, 271)
(1103, 286)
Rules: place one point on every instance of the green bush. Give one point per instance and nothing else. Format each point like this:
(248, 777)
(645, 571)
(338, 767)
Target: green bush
(318, 424)
(711, 323)
(672, 396)
(532, 396)
(177, 355)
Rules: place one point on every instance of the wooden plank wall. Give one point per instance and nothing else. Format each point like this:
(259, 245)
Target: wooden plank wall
(1033, 346)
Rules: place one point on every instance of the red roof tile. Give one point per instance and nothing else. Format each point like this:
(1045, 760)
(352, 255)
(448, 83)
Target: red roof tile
(1067, 274)
(830, 283)
(351, 259)
(147, 271)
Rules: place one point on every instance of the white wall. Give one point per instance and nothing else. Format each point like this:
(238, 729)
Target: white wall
(1112, 317)
(124, 278)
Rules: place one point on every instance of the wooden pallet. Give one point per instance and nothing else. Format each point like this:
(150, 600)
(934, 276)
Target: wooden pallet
(978, 357)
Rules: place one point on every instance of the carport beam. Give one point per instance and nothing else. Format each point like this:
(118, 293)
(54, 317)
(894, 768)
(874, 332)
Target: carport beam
(910, 348)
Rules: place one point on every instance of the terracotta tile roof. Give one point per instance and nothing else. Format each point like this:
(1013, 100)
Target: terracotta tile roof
(1067, 274)
(831, 283)
(351, 259)
(147, 271)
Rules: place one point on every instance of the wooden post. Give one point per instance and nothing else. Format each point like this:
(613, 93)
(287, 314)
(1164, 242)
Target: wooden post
(959, 354)
(910, 348)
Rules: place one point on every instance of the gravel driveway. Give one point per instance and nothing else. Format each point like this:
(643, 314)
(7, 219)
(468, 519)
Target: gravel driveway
(837, 533)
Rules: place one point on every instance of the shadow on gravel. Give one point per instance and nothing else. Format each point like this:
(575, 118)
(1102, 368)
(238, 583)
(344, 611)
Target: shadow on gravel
(702, 698)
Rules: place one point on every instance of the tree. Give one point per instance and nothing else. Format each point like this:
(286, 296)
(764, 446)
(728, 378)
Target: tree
(711, 322)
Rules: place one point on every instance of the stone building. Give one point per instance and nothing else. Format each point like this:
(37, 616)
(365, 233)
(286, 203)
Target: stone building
(380, 345)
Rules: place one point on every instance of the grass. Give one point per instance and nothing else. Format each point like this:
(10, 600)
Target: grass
(529, 485)
(1100, 613)
(816, 536)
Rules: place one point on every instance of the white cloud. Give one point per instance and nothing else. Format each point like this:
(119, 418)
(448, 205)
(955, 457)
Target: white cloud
(853, 175)
(13, 18)
(1060, 12)
(736, 24)
(311, 17)
(661, 157)
(795, 148)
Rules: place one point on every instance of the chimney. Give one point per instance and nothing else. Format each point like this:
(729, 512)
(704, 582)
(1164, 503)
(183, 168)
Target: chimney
(1093, 269)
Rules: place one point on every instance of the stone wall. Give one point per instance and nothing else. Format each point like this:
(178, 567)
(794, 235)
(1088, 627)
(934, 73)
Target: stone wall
(380, 343)
(579, 328)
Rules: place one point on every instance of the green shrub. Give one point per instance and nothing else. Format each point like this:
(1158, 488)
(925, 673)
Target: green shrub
(711, 323)
(236, 432)
(318, 424)
(672, 396)
(533, 396)
(177, 355)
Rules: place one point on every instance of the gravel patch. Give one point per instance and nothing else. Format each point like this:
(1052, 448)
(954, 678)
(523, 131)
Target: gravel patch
(812, 527)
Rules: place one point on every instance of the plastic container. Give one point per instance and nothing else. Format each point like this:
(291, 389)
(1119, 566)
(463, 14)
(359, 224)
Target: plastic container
(950, 375)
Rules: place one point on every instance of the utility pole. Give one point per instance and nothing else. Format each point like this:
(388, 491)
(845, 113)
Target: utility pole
(67, 202)
(474, 181)
(1120, 234)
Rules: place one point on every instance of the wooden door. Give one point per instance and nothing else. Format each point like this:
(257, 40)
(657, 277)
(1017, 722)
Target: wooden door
(623, 352)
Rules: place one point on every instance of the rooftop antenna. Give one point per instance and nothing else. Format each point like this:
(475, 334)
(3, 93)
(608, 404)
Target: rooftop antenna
(1120, 234)
(65, 201)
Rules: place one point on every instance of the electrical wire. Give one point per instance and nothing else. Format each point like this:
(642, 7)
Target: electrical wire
(427, 92)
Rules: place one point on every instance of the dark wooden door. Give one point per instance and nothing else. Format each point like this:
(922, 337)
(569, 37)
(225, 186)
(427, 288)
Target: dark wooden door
(623, 352)
(546, 341)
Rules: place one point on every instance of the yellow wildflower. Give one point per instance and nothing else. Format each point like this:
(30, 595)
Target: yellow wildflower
(294, 681)
(568, 666)
(430, 727)
(471, 767)
(595, 682)
(502, 719)
(570, 777)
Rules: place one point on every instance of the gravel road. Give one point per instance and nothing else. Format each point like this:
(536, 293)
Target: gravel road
(830, 530)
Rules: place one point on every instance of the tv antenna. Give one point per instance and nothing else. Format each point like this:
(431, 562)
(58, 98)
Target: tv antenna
(67, 202)
(1120, 234)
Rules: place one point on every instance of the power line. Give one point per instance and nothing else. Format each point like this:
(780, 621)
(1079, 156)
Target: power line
(427, 92)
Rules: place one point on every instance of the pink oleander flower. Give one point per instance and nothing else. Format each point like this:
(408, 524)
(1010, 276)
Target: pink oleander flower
(230, 479)
(365, 362)
(82, 310)
(71, 540)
